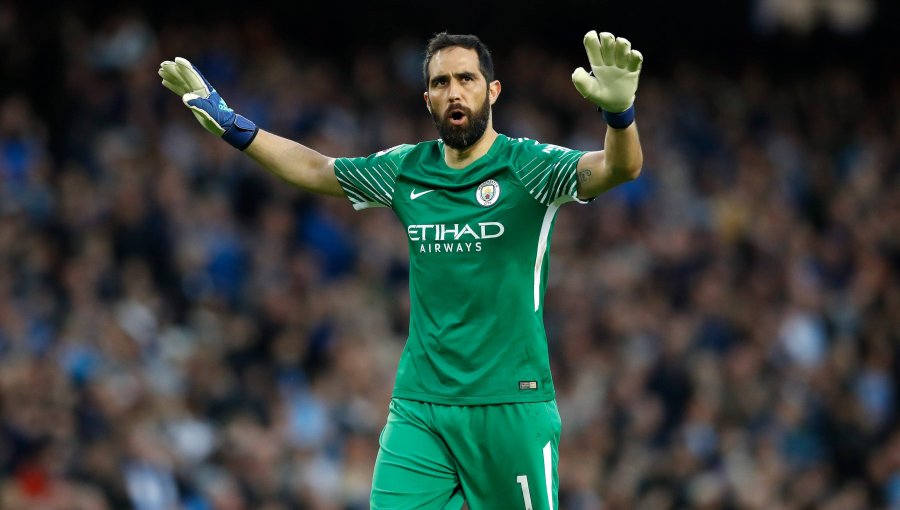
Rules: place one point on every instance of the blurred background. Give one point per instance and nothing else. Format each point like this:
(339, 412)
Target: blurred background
(179, 330)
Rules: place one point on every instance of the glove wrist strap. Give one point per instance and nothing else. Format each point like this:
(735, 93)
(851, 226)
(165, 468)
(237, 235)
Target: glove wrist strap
(619, 120)
(241, 133)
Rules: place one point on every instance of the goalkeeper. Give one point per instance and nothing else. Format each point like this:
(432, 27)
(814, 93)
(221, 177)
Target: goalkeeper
(473, 415)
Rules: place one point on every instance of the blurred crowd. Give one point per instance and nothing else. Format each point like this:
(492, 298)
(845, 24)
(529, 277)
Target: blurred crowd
(179, 330)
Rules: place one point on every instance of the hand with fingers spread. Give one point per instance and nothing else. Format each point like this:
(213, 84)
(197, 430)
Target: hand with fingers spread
(182, 78)
(613, 80)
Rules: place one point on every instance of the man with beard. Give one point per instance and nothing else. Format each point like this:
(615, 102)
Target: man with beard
(473, 415)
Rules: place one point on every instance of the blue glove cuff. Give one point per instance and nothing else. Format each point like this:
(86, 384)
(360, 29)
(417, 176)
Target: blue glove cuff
(241, 133)
(619, 120)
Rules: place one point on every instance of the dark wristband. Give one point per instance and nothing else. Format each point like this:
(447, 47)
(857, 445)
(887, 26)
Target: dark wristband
(619, 120)
(241, 133)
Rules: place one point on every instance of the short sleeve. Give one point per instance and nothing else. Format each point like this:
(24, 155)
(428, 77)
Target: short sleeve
(369, 181)
(547, 171)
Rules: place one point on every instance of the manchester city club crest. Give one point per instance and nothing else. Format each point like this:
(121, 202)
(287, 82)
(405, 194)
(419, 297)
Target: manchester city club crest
(487, 193)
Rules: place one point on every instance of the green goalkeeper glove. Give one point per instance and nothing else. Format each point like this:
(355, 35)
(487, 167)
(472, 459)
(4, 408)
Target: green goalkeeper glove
(184, 79)
(613, 79)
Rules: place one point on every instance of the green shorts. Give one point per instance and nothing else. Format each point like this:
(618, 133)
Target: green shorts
(501, 456)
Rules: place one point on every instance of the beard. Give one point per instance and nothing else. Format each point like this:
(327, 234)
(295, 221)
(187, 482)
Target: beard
(464, 136)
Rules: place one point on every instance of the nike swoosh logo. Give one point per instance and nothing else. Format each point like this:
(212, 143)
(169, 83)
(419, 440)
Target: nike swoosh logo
(413, 195)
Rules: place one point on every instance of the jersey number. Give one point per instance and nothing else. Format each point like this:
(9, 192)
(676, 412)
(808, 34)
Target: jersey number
(522, 480)
(526, 494)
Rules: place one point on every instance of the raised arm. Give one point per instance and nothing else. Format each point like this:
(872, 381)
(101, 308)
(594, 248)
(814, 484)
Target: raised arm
(611, 85)
(289, 160)
(295, 163)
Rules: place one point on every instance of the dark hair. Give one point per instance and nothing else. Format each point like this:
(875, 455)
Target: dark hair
(445, 40)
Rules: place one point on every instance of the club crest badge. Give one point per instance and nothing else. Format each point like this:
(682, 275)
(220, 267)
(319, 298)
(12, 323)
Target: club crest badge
(487, 193)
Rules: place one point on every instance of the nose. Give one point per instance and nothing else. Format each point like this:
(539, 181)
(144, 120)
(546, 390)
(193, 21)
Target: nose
(453, 91)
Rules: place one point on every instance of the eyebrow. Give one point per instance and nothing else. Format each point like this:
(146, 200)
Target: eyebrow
(462, 74)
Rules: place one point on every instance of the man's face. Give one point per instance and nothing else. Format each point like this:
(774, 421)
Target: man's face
(458, 96)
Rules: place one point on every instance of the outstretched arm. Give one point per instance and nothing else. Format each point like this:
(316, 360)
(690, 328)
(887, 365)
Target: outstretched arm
(611, 85)
(289, 160)
(295, 163)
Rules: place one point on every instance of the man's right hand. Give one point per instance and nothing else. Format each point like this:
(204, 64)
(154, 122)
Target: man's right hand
(182, 78)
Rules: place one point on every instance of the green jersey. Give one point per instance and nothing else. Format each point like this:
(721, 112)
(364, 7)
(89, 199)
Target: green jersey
(478, 239)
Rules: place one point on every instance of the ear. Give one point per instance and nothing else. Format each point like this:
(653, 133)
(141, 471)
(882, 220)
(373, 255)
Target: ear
(494, 91)
(427, 101)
